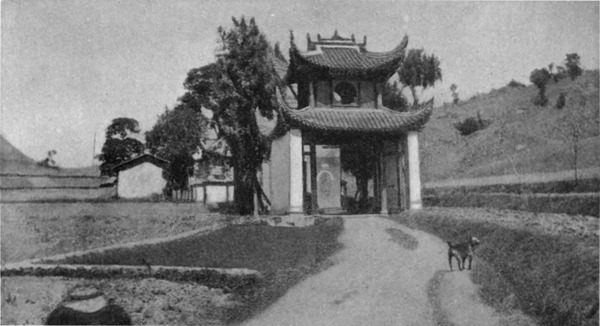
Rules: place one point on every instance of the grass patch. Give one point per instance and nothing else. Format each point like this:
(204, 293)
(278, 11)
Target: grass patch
(550, 277)
(284, 256)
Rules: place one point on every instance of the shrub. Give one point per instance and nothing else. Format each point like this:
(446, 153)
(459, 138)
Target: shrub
(516, 84)
(573, 66)
(540, 100)
(540, 77)
(560, 102)
(471, 125)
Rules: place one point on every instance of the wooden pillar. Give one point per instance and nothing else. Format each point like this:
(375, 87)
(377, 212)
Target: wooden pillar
(414, 174)
(379, 91)
(330, 92)
(313, 178)
(377, 178)
(311, 97)
(296, 194)
(384, 206)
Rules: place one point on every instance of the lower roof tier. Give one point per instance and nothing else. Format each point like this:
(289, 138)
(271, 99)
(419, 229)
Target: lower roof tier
(363, 120)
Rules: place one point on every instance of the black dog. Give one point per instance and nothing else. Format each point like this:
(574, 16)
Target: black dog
(462, 251)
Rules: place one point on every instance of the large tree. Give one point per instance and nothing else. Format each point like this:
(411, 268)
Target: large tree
(393, 98)
(120, 146)
(241, 82)
(419, 71)
(176, 137)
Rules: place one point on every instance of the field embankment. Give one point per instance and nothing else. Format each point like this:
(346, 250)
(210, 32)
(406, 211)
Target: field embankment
(35, 230)
(546, 265)
(549, 193)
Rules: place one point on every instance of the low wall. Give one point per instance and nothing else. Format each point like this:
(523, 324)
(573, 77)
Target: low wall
(214, 193)
(239, 280)
(56, 194)
(574, 204)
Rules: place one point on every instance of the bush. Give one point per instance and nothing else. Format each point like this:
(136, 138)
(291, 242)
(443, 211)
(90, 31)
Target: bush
(540, 77)
(516, 84)
(560, 102)
(471, 125)
(573, 66)
(540, 100)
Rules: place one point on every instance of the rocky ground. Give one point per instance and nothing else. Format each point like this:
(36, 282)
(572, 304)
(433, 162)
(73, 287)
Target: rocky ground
(29, 300)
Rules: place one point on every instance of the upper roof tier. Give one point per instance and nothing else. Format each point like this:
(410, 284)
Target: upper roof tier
(343, 57)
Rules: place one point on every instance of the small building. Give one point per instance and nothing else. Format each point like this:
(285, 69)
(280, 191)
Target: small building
(141, 177)
(334, 97)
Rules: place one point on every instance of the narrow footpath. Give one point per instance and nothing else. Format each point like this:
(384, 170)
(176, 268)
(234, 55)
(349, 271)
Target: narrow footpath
(386, 274)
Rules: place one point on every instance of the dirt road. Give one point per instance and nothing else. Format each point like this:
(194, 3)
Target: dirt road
(387, 274)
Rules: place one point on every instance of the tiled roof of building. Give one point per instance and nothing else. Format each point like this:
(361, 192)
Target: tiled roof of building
(367, 120)
(144, 158)
(348, 59)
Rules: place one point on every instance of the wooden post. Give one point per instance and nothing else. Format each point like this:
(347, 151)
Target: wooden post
(313, 178)
(384, 206)
(311, 98)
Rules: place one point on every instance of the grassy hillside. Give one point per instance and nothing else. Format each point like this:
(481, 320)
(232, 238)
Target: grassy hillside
(13, 161)
(522, 137)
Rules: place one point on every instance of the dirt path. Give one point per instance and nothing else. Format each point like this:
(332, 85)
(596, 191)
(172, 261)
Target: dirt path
(387, 274)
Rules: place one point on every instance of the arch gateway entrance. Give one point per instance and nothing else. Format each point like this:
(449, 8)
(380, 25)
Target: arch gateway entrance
(334, 99)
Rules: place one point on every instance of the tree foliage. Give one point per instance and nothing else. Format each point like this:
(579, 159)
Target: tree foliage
(393, 98)
(119, 147)
(471, 125)
(241, 82)
(49, 161)
(540, 78)
(176, 137)
(573, 65)
(419, 70)
(453, 89)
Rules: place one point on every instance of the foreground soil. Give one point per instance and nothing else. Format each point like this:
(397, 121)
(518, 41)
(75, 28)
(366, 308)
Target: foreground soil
(29, 300)
(387, 274)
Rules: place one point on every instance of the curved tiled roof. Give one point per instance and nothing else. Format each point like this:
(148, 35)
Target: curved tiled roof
(367, 120)
(348, 59)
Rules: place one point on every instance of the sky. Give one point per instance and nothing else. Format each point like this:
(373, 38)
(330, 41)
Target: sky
(69, 67)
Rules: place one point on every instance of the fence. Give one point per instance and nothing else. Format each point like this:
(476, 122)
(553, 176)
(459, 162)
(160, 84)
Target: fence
(213, 193)
(184, 195)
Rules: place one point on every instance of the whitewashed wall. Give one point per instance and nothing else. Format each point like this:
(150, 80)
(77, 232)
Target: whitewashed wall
(140, 181)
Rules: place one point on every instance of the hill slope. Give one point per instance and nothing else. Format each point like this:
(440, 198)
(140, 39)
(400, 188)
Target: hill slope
(13, 161)
(522, 137)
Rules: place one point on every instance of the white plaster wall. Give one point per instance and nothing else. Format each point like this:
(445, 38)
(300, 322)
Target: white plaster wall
(216, 194)
(280, 175)
(140, 181)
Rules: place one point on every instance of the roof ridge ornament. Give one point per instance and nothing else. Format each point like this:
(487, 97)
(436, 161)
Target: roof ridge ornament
(292, 39)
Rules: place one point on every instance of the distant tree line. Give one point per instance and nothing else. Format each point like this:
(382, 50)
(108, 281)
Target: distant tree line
(541, 77)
